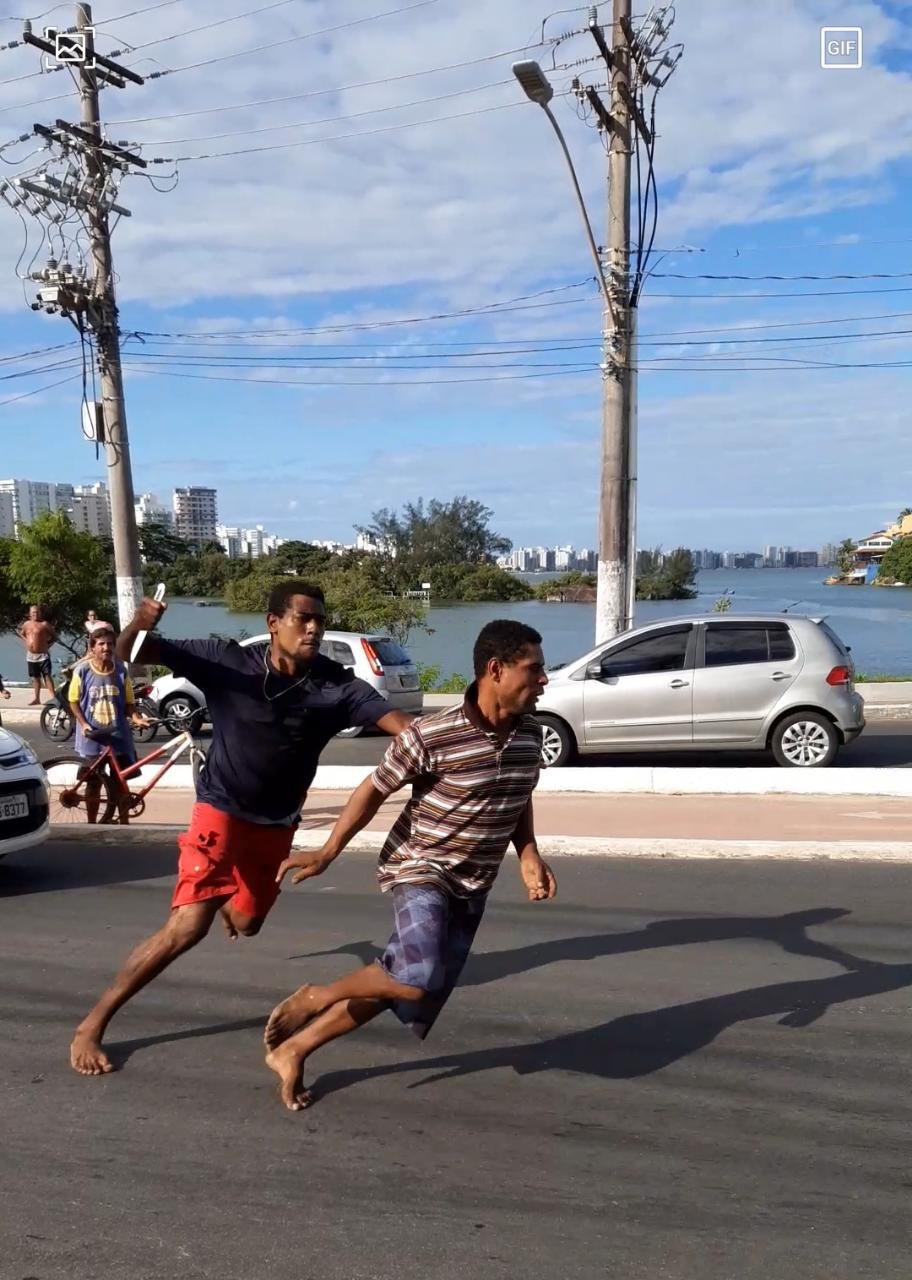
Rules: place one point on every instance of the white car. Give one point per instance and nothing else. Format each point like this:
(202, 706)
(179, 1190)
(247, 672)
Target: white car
(23, 796)
(377, 659)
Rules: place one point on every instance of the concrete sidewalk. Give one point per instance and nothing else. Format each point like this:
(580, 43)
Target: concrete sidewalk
(651, 826)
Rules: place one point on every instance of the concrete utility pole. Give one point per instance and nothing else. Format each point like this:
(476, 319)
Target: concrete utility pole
(81, 178)
(127, 559)
(635, 61)
(616, 587)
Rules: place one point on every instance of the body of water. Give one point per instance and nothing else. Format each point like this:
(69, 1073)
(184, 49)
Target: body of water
(875, 622)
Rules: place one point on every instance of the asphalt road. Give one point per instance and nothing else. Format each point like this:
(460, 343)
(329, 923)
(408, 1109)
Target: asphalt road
(674, 1070)
(884, 742)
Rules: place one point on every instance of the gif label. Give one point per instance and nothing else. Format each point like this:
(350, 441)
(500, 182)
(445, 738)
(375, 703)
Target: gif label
(840, 48)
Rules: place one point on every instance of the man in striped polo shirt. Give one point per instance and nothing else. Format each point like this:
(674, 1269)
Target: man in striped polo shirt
(472, 769)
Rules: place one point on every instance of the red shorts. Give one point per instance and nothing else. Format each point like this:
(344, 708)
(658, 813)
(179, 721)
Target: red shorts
(225, 857)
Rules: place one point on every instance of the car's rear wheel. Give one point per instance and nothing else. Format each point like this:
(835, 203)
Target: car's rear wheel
(181, 713)
(558, 743)
(805, 740)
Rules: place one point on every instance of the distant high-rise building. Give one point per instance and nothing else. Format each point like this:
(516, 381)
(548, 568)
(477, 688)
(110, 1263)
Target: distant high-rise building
(828, 553)
(90, 509)
(195, 514)
(770, 557)
(150, 511)
(7, 518)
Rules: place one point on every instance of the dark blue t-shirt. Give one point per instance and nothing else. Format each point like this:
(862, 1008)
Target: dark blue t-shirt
(267, 729)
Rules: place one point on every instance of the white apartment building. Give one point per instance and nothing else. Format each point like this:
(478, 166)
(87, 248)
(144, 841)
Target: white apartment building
(7, 519)
(150, 511)
(30, 498)
(247, 543)
(90, 509)
(196, 514)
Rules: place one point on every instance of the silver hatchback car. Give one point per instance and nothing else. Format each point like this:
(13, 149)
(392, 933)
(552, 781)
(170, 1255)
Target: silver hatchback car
(765, 682)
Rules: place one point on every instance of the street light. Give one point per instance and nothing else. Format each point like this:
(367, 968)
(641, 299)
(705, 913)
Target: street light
(538, 89)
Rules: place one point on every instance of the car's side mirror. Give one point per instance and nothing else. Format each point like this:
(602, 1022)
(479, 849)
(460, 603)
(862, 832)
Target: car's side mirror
(594, 670)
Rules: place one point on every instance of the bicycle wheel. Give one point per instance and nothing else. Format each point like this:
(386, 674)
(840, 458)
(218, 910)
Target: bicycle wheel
(69, 798)
(197, 764)
(56, 722)
(148, 732)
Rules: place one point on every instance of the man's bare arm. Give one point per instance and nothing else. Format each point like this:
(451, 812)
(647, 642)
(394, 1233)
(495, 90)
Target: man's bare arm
(362, 805)
(144, 619)
(537, 876)
(394, 722)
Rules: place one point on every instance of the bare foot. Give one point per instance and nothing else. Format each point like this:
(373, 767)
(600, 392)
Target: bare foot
(226, 921)
(35, 702)
(290, 1016)
(87, 1056)
(288, 1066)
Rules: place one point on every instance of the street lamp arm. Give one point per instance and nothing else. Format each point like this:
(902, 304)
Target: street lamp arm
(582, 208)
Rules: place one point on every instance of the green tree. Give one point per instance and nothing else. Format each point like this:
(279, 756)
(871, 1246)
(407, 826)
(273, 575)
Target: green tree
(249, 593)
(302, 559)
(671, 577)
(845, 556)
(722, 605)
(424, 537)
(159, 543)
(575, 578)
(488, 582)
(896, 565)
(66, 571)
(11, 609)
(356, 601)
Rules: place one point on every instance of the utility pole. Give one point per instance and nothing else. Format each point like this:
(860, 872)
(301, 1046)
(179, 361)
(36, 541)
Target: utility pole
(82, 178)
(617, 515)
(127, 559)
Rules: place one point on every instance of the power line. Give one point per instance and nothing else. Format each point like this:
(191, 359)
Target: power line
(338, 137)
(278, 44)
(48, 386)
(818, 293)
(490, 308)
(869, 275)
(206, 26)
(383, 382)
(303, 124)
(316, 93)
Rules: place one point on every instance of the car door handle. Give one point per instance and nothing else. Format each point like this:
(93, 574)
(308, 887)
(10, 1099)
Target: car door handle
(781, 675)
(679, 684)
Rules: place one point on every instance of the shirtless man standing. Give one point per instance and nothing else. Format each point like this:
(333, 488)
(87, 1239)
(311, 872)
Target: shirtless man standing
(38, 635)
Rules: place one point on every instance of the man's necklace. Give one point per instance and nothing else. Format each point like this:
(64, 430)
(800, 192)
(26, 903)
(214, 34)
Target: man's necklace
(272, 697)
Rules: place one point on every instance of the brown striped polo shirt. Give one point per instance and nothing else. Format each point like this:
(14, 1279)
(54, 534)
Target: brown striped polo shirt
(469, 790)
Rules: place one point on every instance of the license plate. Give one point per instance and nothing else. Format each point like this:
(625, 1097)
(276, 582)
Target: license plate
(13, 807)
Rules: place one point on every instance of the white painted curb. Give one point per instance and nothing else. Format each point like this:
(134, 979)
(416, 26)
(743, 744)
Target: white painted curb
(636, 780)
(648, 847)
(370, 843)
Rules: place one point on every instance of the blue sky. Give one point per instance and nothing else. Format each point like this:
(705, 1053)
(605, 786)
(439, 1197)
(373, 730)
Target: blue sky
(297, 264)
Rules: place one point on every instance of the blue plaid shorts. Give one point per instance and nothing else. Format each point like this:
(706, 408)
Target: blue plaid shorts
(429, 946)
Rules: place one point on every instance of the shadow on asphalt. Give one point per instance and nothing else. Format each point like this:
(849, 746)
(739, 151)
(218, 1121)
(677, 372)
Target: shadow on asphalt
(640, 1044)
(121, 1051)
(786, 931)
(78, 865)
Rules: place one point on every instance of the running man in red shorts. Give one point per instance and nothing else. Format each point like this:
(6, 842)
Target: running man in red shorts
(274, 706)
